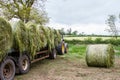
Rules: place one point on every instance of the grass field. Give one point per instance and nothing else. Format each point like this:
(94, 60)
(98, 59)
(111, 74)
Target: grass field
(71, 66)
(77, 50)
(83, 38)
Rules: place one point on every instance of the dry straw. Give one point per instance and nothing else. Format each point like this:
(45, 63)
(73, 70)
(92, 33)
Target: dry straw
(5, 37)
(100, 55)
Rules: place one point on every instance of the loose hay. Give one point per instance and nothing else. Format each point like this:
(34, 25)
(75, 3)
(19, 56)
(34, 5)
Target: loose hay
(100, 55)
(5, 37)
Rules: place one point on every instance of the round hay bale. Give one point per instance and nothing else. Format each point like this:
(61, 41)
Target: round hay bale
(43, 34)
(57, 37)
(20, 34)
(5, 37)
(47, 35)
(34, 39)
(51, 44)
(100, 55)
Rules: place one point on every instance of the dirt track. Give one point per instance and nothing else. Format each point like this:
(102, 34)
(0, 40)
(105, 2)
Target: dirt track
(69, 69)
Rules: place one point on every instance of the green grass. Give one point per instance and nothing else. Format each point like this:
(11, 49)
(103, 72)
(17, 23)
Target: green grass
(117, 50)
(76, 51)
(83, 38)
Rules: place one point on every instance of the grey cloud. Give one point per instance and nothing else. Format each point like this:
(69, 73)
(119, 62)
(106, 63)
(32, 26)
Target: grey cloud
(81, 11)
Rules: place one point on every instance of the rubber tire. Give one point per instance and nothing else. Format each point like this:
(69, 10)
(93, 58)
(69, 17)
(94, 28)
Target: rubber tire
(59, 49)
(66, 48)
(53, 54)
(21, 70)
(7, 61)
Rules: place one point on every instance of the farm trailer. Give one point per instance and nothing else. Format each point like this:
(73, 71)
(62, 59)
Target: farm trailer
(13, 62)
(18, 63)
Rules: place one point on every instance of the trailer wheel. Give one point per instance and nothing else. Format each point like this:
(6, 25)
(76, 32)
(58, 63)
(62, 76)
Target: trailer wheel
(24, 64)
(7, 70)
(66, 48)
(53, 54)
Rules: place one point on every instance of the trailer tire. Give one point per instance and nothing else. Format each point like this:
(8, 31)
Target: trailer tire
(61, 48)
(53, 54)
(66, 48)
(7, 69)
(24, 64)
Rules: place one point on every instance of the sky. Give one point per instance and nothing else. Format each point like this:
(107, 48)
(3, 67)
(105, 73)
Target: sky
(86, 16)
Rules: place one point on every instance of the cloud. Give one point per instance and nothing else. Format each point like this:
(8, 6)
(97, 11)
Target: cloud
(81, 11)
(82, 15)
(86, 28)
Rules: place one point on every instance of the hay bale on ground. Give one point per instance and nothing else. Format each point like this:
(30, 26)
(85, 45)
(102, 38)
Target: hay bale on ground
(100, 55)
(5, 37)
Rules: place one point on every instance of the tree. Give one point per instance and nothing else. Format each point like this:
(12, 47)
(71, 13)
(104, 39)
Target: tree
(111, 23)
(74, 32)
(69, 31)
(82, 34)
(62, 31)
(25, 10)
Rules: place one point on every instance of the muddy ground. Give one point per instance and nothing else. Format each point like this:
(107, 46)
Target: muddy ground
(64, 68)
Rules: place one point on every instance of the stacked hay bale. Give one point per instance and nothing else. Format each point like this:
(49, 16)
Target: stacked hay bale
(20, 38)
(100, 55)
(27, 37)
(44, 35)
(51, 44)
(57, 37)
(5, 37)
(48, 35)
(33, 38)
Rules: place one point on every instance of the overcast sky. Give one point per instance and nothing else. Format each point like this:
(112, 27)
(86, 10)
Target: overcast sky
(82, 15)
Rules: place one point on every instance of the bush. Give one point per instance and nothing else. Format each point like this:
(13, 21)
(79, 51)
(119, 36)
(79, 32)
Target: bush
(113, 41)
(88, 40)
(96, 41)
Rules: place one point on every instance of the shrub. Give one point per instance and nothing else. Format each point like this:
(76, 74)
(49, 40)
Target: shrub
(88, 40)
(96, 41)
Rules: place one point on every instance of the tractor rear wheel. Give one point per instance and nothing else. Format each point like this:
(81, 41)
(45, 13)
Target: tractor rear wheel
(61, 48)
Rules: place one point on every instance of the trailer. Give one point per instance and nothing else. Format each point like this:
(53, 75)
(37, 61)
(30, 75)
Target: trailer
(16, 63)
(16, 59)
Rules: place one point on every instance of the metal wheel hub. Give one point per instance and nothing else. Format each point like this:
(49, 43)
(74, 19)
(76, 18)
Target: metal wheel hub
(7, 71)
(25, 64)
